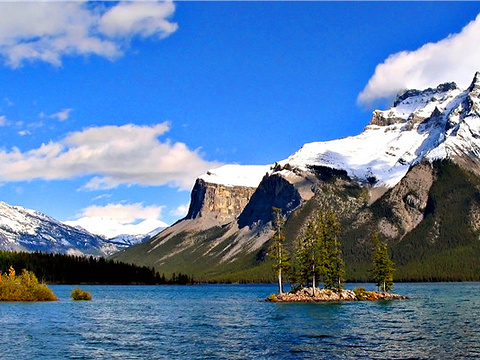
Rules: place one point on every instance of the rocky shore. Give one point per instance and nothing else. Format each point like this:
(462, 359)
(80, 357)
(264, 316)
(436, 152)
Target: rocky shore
(324, 295)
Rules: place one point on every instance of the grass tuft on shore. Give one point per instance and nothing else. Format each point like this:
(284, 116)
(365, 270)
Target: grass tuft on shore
(24, 287)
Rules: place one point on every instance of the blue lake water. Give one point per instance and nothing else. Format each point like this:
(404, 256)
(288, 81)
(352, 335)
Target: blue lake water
(440, 321)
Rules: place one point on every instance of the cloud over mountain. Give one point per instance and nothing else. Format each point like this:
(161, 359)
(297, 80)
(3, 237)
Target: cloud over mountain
(454, 58)
(119, 219)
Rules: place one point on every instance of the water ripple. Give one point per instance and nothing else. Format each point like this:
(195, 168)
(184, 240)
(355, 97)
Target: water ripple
(233, 322)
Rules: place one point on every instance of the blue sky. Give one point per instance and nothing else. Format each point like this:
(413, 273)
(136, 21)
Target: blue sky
(113, 109)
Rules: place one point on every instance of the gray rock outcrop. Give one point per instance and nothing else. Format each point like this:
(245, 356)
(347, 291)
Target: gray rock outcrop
(217, 201)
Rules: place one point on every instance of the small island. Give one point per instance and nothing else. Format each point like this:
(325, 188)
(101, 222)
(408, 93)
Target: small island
(318, 255)
(327, 295)
(80, 295)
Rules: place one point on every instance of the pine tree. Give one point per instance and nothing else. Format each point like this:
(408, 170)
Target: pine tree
(319, 253)
(307, 256)
(332, 265)
(383, 266)
(277, 250)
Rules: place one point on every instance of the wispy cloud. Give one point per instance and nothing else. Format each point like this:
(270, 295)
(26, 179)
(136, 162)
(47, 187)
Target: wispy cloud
(113, 155)
(60, 116)
(3, 120)
(455, 58)
(180, 211)
(103, 196)
(24, 132)
(48, 31)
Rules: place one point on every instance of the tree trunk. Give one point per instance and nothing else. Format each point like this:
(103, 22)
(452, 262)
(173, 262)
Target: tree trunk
(280, 283)
(313, 278)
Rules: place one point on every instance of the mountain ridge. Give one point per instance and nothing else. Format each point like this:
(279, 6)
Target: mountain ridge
(23, 229)
(380, 180)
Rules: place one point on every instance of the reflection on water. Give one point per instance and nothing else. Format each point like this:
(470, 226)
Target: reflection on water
(233, 322)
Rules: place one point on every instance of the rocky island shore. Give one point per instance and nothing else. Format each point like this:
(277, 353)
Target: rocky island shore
(325, 295)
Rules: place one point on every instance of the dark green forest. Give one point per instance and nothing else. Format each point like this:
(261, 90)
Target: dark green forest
(66, 269)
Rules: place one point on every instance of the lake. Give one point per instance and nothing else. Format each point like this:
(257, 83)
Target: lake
(440, 321)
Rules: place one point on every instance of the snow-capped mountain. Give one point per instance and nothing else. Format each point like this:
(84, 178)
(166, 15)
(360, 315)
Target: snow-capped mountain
(390, 179)
(125, 240)
(28, 230)
(430, 124)
(435, 123)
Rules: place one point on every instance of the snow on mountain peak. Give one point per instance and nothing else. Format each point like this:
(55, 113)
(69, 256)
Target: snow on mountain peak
(18, 219)
(476, 81)
(431, 124)
(435, 123)
(427, 93)
(28, 230)
(237, 175)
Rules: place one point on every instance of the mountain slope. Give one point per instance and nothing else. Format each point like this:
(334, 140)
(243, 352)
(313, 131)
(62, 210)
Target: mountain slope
(434, 236)
(384, 180)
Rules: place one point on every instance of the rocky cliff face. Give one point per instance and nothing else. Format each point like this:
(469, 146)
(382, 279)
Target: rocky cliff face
(274, 191)
(217, 201)
(406, 203)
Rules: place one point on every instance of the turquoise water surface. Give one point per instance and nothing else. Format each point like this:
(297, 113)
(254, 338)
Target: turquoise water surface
(440, 321)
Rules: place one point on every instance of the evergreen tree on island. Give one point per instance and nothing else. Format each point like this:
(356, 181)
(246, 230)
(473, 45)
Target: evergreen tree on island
(307, 256)
(333, 266)
(277, 250)
(383, 266)
(319, 253)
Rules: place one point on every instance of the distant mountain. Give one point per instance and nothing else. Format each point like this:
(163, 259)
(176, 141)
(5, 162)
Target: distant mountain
(413, 176)
(126, 240)
(29, 230)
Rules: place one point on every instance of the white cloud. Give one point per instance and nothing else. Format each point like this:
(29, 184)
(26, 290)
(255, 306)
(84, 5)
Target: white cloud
(3, 120)
(47, 31)
(119, 219)
(60, 116)
(113, 155)
(181, 211)
(142, 18)
(455, 58)
(124, 214)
